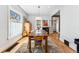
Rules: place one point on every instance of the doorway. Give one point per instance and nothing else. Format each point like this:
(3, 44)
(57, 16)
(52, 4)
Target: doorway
(55, 23)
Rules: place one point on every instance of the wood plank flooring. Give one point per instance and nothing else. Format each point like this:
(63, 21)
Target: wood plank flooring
(61, 45)
(54, 38)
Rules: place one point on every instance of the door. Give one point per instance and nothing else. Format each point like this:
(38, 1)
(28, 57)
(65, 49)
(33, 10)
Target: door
(56, 23)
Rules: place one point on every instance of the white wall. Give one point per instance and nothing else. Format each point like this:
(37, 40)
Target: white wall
(4, 20)
(3, 24)
(70, 24)
(57, 25)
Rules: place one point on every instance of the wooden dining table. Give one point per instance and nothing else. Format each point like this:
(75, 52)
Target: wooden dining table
(32, 37)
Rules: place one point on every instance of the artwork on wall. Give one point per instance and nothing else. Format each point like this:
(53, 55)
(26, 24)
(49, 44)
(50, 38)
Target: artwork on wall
(15, 17)
(45, 22)
(38, 23)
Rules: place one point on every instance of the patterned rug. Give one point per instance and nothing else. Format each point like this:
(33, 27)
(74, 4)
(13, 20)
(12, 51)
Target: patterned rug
(52, 48)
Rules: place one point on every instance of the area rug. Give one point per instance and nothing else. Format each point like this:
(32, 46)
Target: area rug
(52, 48)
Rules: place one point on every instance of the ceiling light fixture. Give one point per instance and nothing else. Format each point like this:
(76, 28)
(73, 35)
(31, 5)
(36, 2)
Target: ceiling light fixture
(39, 16)
(38, 6)
(38, 10)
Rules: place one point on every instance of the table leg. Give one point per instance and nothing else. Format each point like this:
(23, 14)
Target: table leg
(46, 44)
(29, 44)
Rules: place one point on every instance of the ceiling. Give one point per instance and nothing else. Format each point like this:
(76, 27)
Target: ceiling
(38, 9)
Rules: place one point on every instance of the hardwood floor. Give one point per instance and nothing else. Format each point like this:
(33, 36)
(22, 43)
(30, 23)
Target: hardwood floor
(19, 44)
(61, 45)
(54, 38)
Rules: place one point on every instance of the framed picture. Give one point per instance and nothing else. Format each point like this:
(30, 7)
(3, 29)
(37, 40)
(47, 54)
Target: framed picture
(45, 22)
(38, 23)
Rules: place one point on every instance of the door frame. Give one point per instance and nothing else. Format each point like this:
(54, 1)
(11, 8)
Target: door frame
(59, 24)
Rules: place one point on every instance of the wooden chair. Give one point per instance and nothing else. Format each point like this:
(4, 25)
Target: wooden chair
(38, 41)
